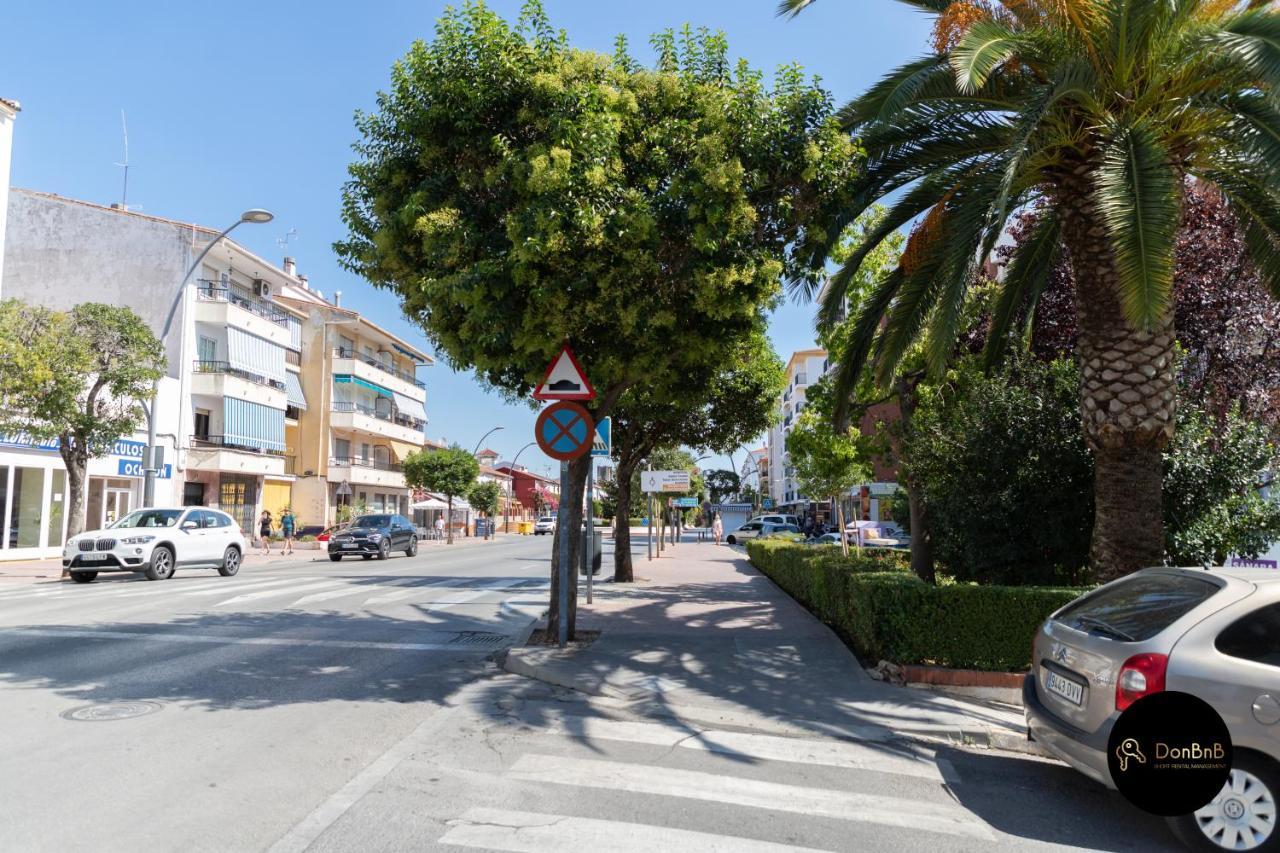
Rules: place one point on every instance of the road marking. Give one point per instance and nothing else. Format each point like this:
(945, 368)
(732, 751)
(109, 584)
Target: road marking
(830, 753)
(245, 584)
(214, 639)
(269, 593)
(313, 825)
(937, 817)
(350, 589)
(526, 832)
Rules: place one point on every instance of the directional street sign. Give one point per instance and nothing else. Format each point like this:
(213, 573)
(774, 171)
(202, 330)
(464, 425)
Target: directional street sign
(564, 431)
(565, 380)
(686, 502)
(665, 481)
(603, 444)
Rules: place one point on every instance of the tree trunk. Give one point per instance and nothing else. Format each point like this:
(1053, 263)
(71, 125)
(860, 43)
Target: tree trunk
(921, 540)
(76, 464)
(839, 514)
(577, 485)
(1127, 399)
(448, 524)
(623, 569)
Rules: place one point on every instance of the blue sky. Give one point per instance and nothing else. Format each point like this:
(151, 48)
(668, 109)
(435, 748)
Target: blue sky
(249, 104)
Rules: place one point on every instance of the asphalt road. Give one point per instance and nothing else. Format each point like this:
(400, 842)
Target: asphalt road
(355, 707)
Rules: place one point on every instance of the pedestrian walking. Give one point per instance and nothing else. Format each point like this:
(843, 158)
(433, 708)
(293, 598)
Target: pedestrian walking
(717, 529)
(439, 526)
(264, 531)
(287, 523)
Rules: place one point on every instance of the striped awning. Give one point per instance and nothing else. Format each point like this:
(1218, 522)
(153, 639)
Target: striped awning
(293, 387)
(255, 355)
(252, 424)
(345, 378)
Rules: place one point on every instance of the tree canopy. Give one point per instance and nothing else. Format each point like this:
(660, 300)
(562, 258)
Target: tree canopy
(450, 472)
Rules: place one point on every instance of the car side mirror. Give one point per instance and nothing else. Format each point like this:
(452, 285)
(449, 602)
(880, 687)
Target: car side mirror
(190, 524)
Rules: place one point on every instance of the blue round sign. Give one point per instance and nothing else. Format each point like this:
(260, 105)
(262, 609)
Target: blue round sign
(564, 431)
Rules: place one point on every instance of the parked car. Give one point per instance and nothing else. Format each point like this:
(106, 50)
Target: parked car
(1214, 634)
(778, 519)
(750, 530)
(375, 535)
(545, 524)
(769, 528)
(826, 539)
(157, 542)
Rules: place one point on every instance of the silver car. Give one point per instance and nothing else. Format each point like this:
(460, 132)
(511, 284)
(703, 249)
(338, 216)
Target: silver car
(1214, 634)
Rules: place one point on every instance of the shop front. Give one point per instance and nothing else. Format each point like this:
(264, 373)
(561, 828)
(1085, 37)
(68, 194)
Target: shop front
(34, 495)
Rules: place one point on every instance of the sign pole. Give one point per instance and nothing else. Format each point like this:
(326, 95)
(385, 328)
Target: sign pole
(562, 523)
(649, 541)
(590, 532)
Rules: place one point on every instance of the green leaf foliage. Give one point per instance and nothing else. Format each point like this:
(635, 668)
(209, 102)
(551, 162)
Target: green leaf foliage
(450, 472)
(893, 615)
(484, 497)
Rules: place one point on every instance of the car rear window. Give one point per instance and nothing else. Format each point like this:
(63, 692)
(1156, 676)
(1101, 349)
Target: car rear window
(1138, 607)
(1254, 637)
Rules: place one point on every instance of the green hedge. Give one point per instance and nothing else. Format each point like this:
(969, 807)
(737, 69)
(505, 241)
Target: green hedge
(893, 615)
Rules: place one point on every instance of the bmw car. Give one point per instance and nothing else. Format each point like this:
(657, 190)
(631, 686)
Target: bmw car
(157, 542)
(374, 536)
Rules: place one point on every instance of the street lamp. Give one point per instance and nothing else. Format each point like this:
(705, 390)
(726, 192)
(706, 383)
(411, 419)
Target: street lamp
(506, 515)
(255, 215)
(483, 437)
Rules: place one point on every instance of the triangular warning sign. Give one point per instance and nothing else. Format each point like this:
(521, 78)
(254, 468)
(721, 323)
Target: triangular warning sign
(565, 380)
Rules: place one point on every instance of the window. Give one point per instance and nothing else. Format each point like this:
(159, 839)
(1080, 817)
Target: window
(341, 448)
(1138, 607)
(221, 520)
(58, 500)
(202, 424)
(207, 349)
(364, 452)
(26, 507)
(1254, 637)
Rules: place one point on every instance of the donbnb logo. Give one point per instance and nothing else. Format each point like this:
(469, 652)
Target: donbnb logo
(1127, 749)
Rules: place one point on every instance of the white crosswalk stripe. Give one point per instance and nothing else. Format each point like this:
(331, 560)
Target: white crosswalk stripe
(270, 593)
(939, 817)
(256, 583)
(900, 761)
(526, 832)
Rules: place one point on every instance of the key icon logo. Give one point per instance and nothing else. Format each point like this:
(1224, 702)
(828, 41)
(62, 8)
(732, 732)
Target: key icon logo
(1127, 749)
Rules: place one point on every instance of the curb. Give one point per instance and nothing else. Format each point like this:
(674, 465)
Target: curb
(650, 702)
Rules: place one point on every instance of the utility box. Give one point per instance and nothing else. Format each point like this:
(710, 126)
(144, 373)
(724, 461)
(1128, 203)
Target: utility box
(597, 550)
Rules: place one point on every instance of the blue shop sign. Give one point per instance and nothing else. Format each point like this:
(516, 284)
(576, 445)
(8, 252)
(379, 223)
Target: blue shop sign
(123, 447)
(133, 468)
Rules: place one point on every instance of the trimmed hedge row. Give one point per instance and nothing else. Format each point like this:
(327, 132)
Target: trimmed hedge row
(893, 615)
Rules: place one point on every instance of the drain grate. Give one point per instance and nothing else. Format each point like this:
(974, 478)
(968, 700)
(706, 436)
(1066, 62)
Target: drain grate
(480, 640)
(109, 711)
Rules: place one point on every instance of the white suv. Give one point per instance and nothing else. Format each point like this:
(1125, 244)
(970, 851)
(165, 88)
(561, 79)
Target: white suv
(156, 542)
(546, 524)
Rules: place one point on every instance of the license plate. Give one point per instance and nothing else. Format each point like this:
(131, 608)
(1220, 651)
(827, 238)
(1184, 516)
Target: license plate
(1072, 691)
(90, 557)
(348, 544)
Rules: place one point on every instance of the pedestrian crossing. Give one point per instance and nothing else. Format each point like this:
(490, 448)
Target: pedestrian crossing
(505, 595)
(905, 789)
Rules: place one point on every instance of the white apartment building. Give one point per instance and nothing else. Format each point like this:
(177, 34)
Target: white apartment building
(804, 368)
(233, 352)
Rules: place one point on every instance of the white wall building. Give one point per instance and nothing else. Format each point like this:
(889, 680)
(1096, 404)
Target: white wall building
(8, 112)
(804, 368)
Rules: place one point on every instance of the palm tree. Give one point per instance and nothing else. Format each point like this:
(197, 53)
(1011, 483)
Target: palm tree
(1097, 111)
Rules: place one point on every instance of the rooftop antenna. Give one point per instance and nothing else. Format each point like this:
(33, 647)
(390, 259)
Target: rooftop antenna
(124, 196)
(285, 239)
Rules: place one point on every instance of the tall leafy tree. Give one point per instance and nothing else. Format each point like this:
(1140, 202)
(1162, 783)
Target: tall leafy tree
(1101, 108)
(77, 377)
(722, 484)
(827, 462)
(483, 497)
(450, 472)
(517, 193)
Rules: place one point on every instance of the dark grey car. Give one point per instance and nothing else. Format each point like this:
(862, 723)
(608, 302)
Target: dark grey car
(375, 536)
(1211, 633)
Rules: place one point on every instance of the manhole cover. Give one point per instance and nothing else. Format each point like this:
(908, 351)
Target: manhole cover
(110, 711)
(481, 641)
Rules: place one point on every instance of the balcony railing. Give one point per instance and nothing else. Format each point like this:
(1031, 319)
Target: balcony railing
(393, 417)
(202, 366)
(210, 291)
(293, 357)
(224, 442)
(343, 352)
(362, 462)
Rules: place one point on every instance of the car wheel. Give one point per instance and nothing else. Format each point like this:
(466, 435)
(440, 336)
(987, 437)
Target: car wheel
(337, 558)
(1242, 816)
(412, 550)
(161, 567)
(384, 550)
(732, 541)
(84, 577)
(230, 562)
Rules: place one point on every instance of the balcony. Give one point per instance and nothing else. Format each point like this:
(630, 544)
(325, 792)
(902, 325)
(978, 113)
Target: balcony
(366, 419)
(220, 453)
(220, 379)
(222, 306)
(366, 472)
(372, 370)
(293, 357)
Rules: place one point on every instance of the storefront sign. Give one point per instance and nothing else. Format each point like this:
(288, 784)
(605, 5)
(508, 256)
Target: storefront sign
(133, 468)
(123, 446)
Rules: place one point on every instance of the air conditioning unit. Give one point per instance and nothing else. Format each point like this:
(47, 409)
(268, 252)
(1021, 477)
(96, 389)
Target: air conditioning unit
(261, 288)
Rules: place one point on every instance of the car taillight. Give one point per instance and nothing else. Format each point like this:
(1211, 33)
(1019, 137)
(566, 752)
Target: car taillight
(1141, 675)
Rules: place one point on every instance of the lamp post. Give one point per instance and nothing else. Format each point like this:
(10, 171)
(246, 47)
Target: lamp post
(506, 515)
(483, 437)
(255, 215)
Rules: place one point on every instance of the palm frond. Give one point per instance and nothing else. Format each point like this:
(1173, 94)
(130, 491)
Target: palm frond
(893, 92)
(791, 8)
(1137, 194)
(1256, 203)
(858, 345)
(982, 49)
(1024, 280)
(1251, 39)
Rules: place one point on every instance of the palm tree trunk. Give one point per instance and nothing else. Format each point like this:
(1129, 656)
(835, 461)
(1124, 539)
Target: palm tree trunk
(1127, 402)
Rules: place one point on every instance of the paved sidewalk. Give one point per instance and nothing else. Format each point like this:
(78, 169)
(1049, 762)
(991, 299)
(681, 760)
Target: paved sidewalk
(704, 637)
(39, 571)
